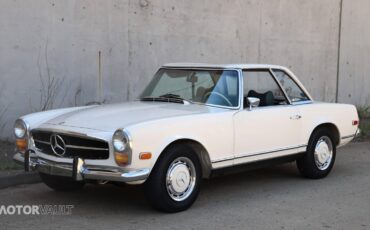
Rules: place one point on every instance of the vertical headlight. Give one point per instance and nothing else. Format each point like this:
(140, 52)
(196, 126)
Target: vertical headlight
(120, 141)
(21, 135)
(20, 129)
(122, 148)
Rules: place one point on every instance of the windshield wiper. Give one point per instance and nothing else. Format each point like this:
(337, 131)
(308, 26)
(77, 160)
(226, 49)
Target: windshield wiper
(175, 96)
(170, 95)
(167, 98)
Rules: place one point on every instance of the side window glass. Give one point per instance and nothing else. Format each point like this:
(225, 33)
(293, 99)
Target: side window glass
(294, 92)
(262, 85)
(232, 85)
(225, 92)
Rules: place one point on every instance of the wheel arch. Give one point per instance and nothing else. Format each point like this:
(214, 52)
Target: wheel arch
(198, 148)
(333, 130)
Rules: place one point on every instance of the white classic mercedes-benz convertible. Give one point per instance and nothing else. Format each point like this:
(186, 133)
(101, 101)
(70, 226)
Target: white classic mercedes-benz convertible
(191, 121)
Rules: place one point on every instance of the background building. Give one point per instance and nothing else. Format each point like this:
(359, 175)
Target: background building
(68, 53)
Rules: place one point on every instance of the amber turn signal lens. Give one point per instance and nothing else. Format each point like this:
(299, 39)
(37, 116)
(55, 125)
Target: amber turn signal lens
(21, 144)
(145, 156)
(121, 158)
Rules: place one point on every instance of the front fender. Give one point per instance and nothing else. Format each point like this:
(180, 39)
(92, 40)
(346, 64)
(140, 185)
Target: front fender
(214, 136)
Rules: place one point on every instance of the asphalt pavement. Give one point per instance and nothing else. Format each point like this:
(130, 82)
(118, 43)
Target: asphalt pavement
(272, 198)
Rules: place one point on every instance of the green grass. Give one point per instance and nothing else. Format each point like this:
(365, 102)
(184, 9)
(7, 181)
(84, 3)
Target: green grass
(364, 114)
(4, 166)
(6, 156)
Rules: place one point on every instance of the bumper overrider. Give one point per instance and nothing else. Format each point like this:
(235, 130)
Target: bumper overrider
(358, 133)
(78, 169)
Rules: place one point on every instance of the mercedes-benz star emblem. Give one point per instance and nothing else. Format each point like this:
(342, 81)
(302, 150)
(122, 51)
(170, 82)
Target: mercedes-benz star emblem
(57, 145)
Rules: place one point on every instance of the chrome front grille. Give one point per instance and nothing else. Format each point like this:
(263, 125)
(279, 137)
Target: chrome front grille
(74, 146)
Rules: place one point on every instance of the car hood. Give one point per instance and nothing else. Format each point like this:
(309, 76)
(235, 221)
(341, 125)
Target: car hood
(114, 116)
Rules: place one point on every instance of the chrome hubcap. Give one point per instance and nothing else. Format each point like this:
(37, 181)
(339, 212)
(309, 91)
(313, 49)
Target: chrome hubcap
(180, 179)
(323, 153)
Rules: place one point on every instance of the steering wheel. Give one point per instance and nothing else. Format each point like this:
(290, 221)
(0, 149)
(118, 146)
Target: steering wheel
(220, 95)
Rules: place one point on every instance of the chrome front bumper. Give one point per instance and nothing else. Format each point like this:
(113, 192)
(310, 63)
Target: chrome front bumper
(79, 170)
(358, 132)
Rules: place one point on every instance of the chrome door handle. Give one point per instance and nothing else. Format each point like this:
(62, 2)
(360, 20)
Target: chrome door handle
(295, 117)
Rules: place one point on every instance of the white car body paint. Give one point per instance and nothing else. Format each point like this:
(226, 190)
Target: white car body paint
(230, 136)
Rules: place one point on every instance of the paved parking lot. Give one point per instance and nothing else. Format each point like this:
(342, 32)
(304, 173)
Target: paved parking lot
(273, 198)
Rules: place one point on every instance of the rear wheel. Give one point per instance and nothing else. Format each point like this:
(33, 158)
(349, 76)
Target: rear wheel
(60, 183)
(320, 157)
(174, 183)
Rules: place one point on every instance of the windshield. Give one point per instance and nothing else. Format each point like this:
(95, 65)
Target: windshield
(212, 87)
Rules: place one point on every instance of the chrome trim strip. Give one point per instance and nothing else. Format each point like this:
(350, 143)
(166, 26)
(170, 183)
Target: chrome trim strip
(259, 153)
(349, 136)
(273, 151)
(269, 158)
(85, 147)
(74, 146)
(42, 142)
(223, 159)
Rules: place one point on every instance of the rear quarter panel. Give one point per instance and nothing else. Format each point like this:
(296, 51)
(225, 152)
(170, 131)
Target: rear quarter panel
(340, 115)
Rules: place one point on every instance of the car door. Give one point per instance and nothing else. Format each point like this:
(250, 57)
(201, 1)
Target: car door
(270, 130)
(298, 97)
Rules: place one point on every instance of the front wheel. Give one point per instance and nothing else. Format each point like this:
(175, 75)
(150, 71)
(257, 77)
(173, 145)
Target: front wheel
(320, 156)
(174, 183)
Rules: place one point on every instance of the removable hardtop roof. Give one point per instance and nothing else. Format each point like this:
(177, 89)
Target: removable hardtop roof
(223, 66)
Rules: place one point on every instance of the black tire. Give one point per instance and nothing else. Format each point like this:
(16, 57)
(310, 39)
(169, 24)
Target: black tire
(60, 183)
(307, 165)
(156, 189)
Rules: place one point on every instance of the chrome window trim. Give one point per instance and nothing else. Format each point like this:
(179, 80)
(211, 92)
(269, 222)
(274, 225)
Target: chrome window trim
(241, 89)
(281, 87)
(295, 82)
(276, 81)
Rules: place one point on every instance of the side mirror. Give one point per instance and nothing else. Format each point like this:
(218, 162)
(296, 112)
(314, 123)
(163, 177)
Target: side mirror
(253, 102)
